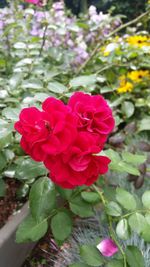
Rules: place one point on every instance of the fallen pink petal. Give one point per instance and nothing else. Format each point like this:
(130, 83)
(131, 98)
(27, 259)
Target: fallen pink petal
(107, 247)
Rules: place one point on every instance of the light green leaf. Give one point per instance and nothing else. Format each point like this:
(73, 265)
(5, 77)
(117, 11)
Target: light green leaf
(11, 113)
(137, 222)
(115, 263)
(56, 87)
(133, 158)
(84, 81)
(126, 167)
(146, 199)
(128, 108)
(134, 257)
(122, 229)
(113, 209)
(144, 125)
(126, 199)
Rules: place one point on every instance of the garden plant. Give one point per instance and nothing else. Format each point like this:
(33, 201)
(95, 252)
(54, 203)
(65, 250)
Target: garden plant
(75, 122)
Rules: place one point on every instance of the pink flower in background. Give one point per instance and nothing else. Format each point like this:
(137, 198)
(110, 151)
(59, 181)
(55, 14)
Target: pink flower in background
(107, 247)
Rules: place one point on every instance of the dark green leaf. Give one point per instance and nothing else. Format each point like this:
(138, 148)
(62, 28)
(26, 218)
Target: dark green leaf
(29, 169)
(90, 197)
(2, 188)
(42, 198)
(80, 207)
(30, 230)
(61, 225)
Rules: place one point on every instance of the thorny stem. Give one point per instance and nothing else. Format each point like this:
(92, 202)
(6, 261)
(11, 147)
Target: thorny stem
(97, 47)
(111, 230)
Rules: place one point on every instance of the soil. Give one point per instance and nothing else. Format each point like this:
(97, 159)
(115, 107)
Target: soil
(9, 204)
(44, 254)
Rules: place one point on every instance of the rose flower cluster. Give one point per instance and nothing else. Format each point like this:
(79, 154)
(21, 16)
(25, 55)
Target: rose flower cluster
(66, 138)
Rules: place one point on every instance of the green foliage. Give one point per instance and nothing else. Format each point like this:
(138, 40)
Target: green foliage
(42, 198)
(90, 255)
(61, 225)
(134, 257)
(30, 230)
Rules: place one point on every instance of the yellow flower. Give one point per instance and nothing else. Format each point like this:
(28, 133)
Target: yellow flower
(138, 40)
(133, 77)
(137, 75)
(125, 86)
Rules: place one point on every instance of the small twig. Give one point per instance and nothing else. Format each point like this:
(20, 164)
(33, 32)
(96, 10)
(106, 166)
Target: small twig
(43, 39)
(110, 35)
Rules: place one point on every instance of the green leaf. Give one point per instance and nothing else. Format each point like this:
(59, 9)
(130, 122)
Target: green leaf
(61, 225)
(5, 137)
(147, 217)
(90, 197)
(29, 169)
(128, 108)
(146, 233)
(146, 199)
(65, 193)
(79, 264)
(84, 81)
(144, 125)
(11, 113)
(125, 167)
(115, 263)
(2, 188)
(133, 158)
(125, 199)
(134, 257)
(42, 198)
(122, 229)
(57, 87)
(3, 161)
(80, 207)
(30, 230)
(32, 84)
(113, 209)
(137, 222)
(91, 255)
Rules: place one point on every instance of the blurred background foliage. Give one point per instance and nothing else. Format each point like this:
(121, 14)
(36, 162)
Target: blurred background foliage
(130, 9)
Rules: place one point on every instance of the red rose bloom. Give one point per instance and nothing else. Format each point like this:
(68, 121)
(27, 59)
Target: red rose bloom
(94, 114)
(78, 165)
(50, 131)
